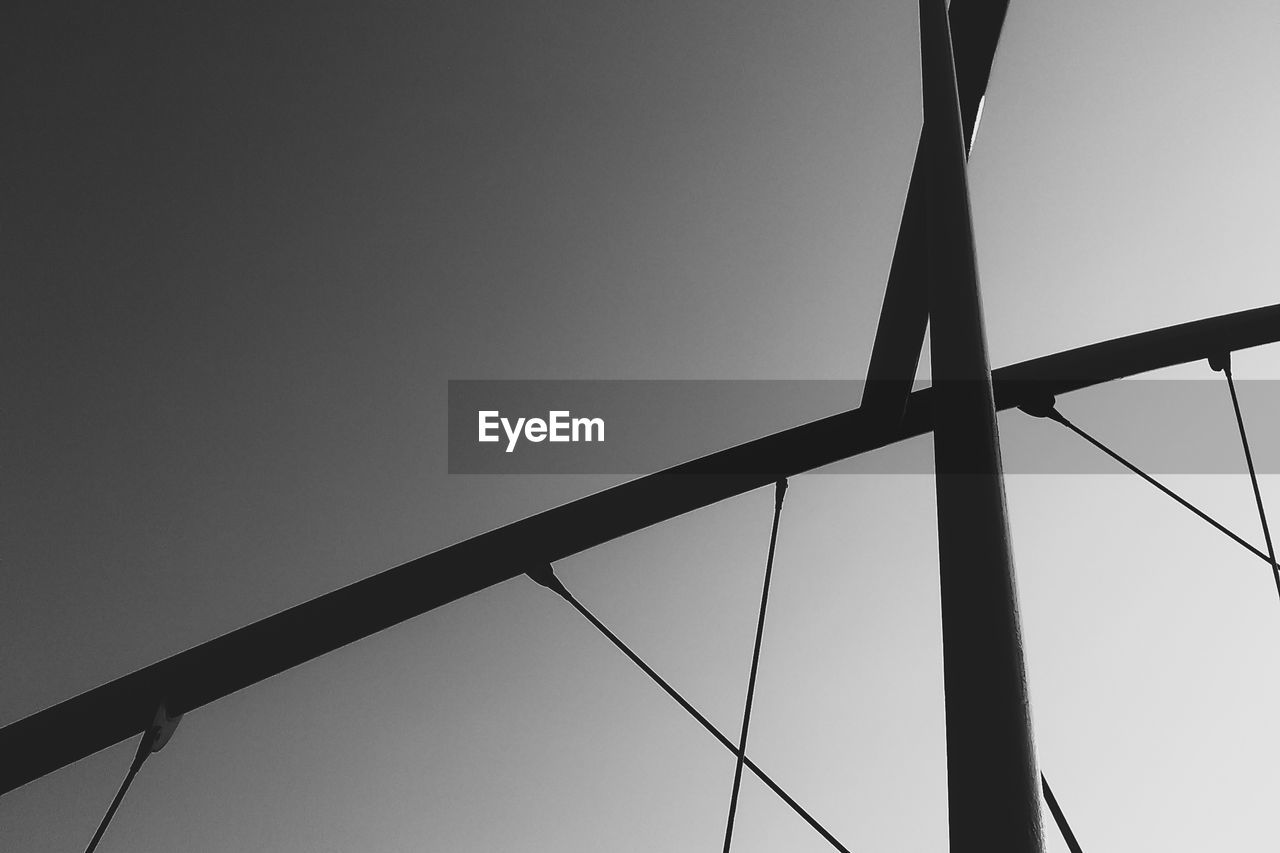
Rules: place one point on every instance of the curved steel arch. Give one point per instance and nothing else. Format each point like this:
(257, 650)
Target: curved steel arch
(112, 712)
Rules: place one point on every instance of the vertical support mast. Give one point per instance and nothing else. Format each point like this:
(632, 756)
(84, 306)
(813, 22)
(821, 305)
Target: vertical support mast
(992, 779)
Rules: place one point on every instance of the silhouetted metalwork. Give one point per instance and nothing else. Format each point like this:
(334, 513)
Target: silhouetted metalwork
(1059, 818)
(992, 792)
(153, 740)
(1052, 413)
(780, 492)
(546, 576)
(991, 762)
(119, 709)
(1223, 363)
(904, 315)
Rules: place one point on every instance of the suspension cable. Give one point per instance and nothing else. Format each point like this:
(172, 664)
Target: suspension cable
(780, 492)
(1223, 363)
(545, 576)
(152, 740)
(144, 749)
(1053, 414)
(1058, 817)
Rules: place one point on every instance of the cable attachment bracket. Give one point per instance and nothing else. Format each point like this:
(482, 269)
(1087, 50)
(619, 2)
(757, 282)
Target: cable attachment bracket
(546, 576)
(153, 740)
(779, 492)
(157, 734)
(162, 728)
(1040, 404)
(1221, 362)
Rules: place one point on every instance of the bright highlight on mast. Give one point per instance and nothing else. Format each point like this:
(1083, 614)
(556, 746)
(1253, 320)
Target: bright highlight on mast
(977, 119)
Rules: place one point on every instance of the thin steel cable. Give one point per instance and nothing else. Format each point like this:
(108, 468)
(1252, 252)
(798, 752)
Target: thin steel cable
(1054, 414)
(780, 492)
(1058, 817)
(144, 749)
(547, 578)
(1253, 474)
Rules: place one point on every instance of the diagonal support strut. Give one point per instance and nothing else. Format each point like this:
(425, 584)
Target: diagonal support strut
(904, 315)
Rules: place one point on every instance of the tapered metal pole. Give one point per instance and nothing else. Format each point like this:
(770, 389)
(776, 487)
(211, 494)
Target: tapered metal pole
(992, 779)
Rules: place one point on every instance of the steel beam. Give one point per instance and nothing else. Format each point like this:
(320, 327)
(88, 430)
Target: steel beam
(992, 780)
(124, 707)
(904, 315)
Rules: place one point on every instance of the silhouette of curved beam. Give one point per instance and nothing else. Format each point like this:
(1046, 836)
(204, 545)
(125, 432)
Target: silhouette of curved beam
(112, 712)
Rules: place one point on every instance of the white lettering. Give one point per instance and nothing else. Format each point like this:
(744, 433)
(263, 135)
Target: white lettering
(513, 435)
(587, 425)
(559, 426)
(488, 423)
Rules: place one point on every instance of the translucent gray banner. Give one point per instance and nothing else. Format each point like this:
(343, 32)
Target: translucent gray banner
(633, 427)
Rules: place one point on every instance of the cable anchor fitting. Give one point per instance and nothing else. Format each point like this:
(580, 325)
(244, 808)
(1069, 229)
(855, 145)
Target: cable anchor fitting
(1040, 404)
(546, 576)
(162, 728)
(157, 734)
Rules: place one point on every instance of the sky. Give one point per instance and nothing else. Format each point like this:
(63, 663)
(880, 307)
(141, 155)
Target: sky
(245, 247)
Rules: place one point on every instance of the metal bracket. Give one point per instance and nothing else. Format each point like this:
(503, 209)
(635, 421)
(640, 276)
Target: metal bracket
(546, 576)
(162, 728)
(1039, 405)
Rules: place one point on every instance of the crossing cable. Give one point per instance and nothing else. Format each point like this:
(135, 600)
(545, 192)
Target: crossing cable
(152, 740)
(1048, 410)
(780, 492)
(1223, 363)
(546, 576)
(1058, 817)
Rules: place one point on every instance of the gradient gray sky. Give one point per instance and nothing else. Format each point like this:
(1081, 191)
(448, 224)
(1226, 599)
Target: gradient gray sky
(246, 245)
